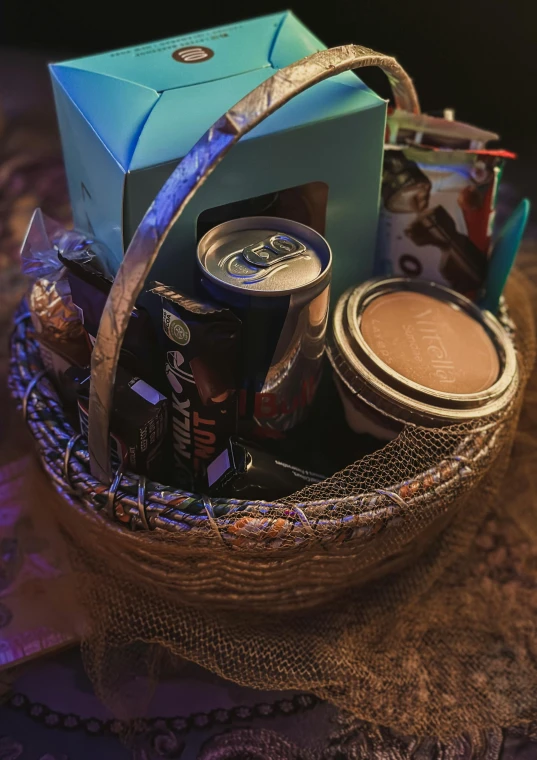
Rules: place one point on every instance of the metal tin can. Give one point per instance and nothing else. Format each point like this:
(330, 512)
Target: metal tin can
(275, 275)
(430, 358)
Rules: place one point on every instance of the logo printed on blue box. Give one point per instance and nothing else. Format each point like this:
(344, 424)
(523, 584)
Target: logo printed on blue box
(192, 54)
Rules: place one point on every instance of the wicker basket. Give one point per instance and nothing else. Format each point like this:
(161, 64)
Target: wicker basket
(289, 555)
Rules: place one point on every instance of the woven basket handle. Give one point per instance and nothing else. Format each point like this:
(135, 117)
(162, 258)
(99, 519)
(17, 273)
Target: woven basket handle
(189, 175)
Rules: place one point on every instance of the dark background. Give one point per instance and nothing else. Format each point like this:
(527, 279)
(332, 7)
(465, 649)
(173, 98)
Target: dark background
(477, 56)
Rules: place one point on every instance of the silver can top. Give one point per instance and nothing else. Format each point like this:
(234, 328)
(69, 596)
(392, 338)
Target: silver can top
(264, 255)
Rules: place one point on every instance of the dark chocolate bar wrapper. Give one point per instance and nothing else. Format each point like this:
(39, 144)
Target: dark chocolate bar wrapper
(244, 471)
(200, 355)
(437, 212)
(461, 262)
(139, 353)
(139, 421)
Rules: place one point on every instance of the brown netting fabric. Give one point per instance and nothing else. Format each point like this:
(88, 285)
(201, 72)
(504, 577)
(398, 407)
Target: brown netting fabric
(440, 645)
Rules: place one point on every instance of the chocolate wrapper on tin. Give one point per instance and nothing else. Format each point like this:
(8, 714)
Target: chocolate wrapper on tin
(201, 349)
(90, 286)
(438, 202)
(139, 420)
(244, 471)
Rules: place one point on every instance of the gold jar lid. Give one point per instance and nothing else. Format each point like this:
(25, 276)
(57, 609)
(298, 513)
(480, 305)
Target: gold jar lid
(422, 353)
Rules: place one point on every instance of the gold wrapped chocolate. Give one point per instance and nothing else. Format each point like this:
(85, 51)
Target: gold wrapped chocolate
(56, 319)
(57, 322)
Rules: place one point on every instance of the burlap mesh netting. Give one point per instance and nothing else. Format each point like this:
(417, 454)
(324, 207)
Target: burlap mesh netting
(439, 646)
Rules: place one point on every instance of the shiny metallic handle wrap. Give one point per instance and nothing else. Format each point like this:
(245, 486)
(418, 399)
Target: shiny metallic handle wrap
(189, 175)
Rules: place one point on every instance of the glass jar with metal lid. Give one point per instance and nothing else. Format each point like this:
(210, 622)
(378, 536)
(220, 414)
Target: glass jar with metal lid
(409, 351)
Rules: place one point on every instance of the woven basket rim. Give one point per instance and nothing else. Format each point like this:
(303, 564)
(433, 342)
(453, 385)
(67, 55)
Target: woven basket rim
(66, 461)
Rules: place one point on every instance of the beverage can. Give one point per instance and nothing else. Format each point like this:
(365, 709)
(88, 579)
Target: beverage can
(274, 274)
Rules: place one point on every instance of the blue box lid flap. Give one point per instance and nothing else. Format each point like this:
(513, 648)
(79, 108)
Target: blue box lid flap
(135, 99)
(115, 109)
(236, 48)
(166, 137)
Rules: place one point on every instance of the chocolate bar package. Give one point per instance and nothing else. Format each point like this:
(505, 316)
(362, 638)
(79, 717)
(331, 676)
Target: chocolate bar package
(138, 424)
(244, 471)
(200, 355)
(90, 286)
(439, 187)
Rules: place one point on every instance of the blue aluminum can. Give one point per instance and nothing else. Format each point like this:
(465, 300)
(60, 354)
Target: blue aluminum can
(274, 274)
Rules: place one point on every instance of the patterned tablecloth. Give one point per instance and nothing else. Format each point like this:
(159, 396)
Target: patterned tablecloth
(49, 710)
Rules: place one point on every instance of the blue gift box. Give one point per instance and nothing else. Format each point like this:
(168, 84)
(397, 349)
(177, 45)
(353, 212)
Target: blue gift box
(127, 117)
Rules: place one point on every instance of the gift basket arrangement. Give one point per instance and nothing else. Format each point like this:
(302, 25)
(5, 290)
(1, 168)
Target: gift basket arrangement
(250, 429)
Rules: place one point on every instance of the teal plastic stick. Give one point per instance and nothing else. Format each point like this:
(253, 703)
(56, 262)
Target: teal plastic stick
(503, 256)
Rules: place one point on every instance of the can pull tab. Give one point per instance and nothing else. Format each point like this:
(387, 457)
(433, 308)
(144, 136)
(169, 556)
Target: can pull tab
(272, 250)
